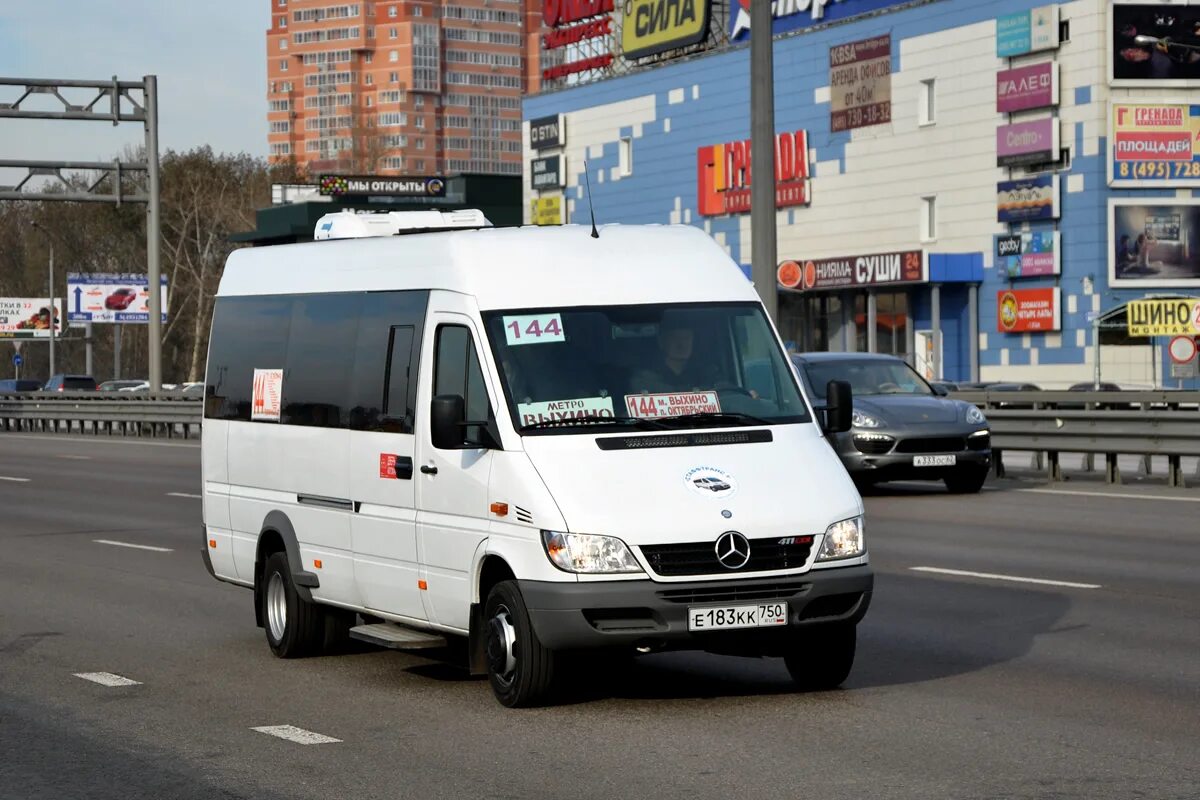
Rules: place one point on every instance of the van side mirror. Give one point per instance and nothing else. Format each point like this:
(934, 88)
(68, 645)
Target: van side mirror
(940, 391)
(447, 413)
(839, 407)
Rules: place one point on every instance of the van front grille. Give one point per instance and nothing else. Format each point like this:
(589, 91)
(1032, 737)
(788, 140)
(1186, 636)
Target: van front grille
(700, 558)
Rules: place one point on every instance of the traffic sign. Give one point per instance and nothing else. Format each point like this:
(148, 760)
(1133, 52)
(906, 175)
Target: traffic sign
(17, 360)
(1182, 349)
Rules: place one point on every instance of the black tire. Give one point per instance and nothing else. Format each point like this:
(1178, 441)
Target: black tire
(301, 629)
(967, 481)
(822, 658)
(520, 670)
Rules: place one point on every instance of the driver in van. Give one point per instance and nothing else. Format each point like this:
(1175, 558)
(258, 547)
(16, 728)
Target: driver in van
(676, 370)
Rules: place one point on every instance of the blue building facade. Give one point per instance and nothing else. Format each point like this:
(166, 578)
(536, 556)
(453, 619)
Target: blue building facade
(924, 181)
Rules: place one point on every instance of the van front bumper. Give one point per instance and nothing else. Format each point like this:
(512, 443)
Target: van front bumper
(644, 613)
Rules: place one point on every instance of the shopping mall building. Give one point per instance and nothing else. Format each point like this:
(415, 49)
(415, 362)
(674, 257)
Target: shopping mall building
(979, 186)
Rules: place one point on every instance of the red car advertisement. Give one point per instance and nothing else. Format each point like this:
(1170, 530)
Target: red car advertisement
(111, 297)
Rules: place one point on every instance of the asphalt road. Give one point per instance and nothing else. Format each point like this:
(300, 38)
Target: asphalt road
(965, 686)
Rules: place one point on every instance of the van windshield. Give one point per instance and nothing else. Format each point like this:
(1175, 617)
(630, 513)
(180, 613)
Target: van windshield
(648, 366)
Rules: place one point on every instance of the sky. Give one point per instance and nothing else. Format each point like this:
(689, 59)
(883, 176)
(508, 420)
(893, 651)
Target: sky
(209, 56)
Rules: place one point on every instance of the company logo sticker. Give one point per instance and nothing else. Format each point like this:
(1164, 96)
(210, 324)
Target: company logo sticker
(710, 482)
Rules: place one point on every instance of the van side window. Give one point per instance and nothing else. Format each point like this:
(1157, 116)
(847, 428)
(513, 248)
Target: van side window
(248, 333)
(320, 360)
(458, 371)
(377, 367)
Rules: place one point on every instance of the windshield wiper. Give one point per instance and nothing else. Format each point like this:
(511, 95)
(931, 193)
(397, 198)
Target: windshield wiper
(571, 422)
(733, 417)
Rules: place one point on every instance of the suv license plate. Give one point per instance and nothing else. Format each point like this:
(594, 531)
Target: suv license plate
(934, 461)
(713, 618)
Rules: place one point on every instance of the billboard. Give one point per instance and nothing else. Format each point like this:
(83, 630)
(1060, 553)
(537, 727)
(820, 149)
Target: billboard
(29, 318)
(377, 186)
(111, 297)
(1029, 255)
(1174, 317)
(1028, 199)
(1154, 45)
(1028, 310)
(1153, 145)
(547, 132)
(547, 173)
(848, 272)
(1027, 32)
(791, 15)
(1154, 242)
(546, 210)
(1026, 88)
(652, 26)
(860, 82)
(1025, 143)
(723, 175)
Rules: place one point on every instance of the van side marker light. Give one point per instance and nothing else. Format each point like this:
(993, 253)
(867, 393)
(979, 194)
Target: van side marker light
(500, 509)
(317, 563)
(422, 585)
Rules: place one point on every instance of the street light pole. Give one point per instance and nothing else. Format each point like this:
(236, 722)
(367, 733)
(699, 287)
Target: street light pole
(762, 157)
(51, 309)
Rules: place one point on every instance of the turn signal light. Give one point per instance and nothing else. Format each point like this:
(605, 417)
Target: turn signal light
(212, 543)
(500, 509)
(422, 585)
(317, 563)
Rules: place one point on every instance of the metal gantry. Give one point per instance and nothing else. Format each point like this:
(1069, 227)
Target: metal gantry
(114, 101)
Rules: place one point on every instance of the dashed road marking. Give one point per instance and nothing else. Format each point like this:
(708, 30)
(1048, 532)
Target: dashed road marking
(1014, 578)
(1121, 495)
(107, 679)
(14, 480)
(185, 494)
(294, 734)
(76, 458)
(134, 546)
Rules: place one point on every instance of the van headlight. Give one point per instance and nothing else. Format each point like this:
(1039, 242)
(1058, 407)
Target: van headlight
(843, 540)
(975, 416)
(581, 552)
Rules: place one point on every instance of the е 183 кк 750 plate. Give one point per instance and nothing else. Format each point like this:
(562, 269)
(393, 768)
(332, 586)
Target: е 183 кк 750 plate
(762, 615)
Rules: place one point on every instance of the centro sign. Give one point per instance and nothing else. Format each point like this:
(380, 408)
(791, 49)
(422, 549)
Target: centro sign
(723, 175)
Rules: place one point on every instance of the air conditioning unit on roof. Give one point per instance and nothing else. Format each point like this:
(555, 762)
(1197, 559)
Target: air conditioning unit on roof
(351, 224)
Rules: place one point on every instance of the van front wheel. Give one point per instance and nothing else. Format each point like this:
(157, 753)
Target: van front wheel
(822, 658)
(520, 669)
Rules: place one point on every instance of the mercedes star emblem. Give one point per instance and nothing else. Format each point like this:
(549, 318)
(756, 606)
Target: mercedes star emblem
(733, 550)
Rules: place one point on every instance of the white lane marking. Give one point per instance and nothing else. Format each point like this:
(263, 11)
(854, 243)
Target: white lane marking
(1015, 578)
(294, 734)
(1121, 495)
(134, 546)
(184, 494)
(14, 480)
(99, 440)
(107, 679)
(76, 458)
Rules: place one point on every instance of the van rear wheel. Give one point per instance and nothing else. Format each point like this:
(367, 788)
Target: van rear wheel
(822, 658)
(295, 628)
(520, 669)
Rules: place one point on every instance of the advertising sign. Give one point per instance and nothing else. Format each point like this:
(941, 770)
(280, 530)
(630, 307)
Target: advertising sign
(1154, 44)
(790, 15)
(881, 269)
(1026, 310)
(111, 297)
(571, 22)
(723, 175)
(546, 211)
(547, 173)
(1028, 199)
(28, 318)
(267, 400)
(1027, 32)
(547, 132)
(1154, 243)
(1025, 88)
(1029, 255)
(860, 81)
(1025, 143)
(648, 406)
(1153, 145)
(654, 26)
(376, 186)
(1174, 317)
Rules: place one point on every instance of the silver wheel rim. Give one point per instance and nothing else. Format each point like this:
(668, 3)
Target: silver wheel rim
(509, 634)
(276, 606)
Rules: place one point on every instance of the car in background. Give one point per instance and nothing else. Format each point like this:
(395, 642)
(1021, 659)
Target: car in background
(20, 385)
(70, 383)
(116, 386)
(193, 388)
(120, 300)
(902, 429)
(1013, 387)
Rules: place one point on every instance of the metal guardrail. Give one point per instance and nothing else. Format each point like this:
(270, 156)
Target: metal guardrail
(1143, 423)
(111, 413)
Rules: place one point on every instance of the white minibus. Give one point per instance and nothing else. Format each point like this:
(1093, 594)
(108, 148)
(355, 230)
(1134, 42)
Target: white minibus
(547, 441)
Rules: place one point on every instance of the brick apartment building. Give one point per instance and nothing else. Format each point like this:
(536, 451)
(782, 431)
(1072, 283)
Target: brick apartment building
(417, 87)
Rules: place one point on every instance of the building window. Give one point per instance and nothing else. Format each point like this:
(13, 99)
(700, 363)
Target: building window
(417, 12)
(392, 33)
(283, 43)
(927, 103)
(392, 11)
(419, 165)
(393, 56)
(393, 77)
(420, 144)
(419, 122)
(283, 3)
(283, 22)
(369, 57)
(370, 31)
(283, 65)
(369, 79)
(370, 101)
(625, 157)
(929, 218)
(419, 101)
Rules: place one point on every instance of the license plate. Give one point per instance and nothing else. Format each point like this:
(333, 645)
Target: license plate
(763, 615)
(934, 461)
